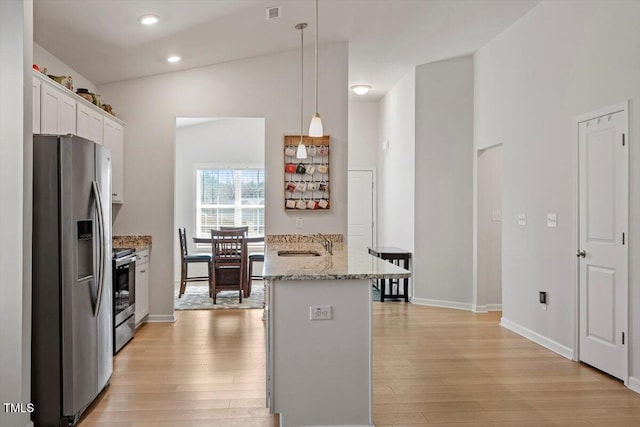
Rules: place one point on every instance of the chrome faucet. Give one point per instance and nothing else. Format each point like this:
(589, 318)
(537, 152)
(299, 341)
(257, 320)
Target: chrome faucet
(328, 244)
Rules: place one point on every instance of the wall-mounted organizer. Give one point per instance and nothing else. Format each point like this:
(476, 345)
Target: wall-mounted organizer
(306, 181)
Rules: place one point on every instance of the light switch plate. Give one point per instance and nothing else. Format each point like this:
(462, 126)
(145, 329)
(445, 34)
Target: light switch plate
(522, 219)
(496, 216)
(552, 220)
(299, 222)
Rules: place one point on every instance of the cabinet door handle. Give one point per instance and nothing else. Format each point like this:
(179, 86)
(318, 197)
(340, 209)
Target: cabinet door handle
(143, 271)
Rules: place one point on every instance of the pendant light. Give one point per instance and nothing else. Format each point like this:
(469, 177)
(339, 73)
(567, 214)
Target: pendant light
(301, 152)
(315, 128)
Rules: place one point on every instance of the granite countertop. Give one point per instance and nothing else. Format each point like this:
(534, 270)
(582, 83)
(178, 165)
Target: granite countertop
(342, 265)
(137, 242)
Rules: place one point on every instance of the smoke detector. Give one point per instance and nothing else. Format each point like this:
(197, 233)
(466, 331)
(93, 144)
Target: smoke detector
(273, 12)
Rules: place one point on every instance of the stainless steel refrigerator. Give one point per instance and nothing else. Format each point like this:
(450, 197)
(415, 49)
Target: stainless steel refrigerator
(72, 314)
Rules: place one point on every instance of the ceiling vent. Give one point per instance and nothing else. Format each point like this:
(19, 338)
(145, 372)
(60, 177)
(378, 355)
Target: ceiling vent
(273, 12)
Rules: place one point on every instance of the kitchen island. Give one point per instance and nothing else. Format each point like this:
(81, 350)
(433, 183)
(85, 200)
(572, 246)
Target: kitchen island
(319, 372)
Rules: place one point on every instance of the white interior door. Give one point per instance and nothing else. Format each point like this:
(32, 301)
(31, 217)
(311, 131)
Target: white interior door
(602, 253)
(360, 207)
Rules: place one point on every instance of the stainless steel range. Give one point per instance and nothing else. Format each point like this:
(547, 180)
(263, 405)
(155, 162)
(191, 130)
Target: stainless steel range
(124, 297)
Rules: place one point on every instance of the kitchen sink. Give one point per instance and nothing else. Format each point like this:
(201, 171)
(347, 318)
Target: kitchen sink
(298, 253)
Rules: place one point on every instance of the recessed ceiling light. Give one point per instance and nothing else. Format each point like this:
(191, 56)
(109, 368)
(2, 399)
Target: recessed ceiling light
(174, 59)
(148, 19)
(360, 89)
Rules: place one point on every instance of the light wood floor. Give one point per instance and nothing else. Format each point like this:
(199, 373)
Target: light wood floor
(431, 367)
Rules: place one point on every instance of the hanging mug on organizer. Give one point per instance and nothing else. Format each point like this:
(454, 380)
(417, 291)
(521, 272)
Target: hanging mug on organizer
(312, 151)
(301, 186)
(323, 150)
(290, 168)
(291, 187)
(290, 204)
(301, 204)
(290, 152)
(311, 169)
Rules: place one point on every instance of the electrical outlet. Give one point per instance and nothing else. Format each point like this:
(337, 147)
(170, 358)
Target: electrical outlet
(552, 220)
(496, 216)
(320, 312)
(543, 297)
(299, 222)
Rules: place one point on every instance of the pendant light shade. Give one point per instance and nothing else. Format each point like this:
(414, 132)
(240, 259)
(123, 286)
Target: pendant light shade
(301, 152)
(315, 128)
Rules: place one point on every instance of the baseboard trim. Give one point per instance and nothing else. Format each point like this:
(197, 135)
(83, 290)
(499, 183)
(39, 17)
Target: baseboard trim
(494, 307)
(479, 309)
(161, 318)
(537, 338)
(634, 384)
(443, 304)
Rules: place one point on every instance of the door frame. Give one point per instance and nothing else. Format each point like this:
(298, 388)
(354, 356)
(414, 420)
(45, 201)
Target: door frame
(483, 308)
(374, 193)
(612, 109)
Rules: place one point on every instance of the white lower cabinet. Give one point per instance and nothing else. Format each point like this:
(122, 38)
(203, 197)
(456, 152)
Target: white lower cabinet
(142, 286)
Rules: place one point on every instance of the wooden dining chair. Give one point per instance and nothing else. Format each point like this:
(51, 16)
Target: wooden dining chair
(229, 260)
(246, 285)
(245, 229)
(187, 259)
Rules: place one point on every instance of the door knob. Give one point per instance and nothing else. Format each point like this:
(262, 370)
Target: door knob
(581, 254)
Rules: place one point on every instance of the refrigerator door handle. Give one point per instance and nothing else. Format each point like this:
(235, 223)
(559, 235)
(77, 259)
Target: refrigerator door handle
(100, 213)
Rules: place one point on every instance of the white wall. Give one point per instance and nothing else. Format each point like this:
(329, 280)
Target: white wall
(396, 175)
(16, 37)
(265, 87)
(223, 142)
(443, 182)
(44, 59)
(562, 59)
(489, 231)
(363, 135)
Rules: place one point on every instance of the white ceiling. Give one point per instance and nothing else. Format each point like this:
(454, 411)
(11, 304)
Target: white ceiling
(103, 41)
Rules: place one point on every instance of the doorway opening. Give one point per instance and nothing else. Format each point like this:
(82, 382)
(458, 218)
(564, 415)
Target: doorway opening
(218, 182)
(361, 208)
(489, 230)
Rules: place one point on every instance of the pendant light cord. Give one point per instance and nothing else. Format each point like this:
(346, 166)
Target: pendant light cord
(316, 56)
(301, 82)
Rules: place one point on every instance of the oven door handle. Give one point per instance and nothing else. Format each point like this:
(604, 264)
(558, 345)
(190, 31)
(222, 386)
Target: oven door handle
(100, 215)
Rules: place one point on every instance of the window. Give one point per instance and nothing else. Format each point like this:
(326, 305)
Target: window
(230, 198)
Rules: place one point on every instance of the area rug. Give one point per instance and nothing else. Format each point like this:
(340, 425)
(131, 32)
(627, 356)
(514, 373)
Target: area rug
(196, 297)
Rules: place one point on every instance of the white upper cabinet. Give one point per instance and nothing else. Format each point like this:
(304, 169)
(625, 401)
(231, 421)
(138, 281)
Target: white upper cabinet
(89, 123)
(113, 137)
(57, 111)
(36, 105)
